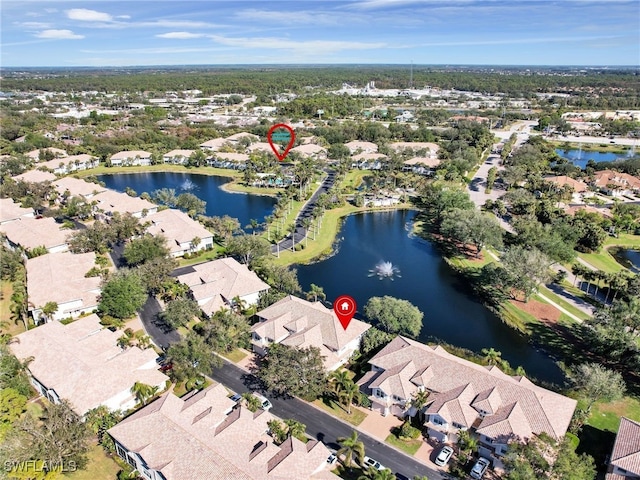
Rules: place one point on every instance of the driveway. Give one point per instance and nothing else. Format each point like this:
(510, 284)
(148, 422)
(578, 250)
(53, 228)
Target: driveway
(161, 333)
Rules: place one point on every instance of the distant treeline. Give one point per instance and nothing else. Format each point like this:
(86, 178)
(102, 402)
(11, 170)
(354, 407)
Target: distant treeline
(623, 84)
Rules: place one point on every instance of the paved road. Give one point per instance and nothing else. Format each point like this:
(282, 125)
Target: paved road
(161, 333)
(323, 426)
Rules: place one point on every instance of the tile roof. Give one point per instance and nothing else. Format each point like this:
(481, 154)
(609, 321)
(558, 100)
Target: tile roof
(77, 187)
(626, 448)
(82, 362)
(183, 444)
(130, 154)
(35, 176)
(177, 227)
(304, 324)
(30, 232)
(578, 185)
(309, 149)
(179, 153)
(60, 278)
(611, 177)
(9, 210)
(433, 147)
(354, 145)
(369, 156)
(112, 201)
(232, 156)
(426, 161)
(214, 144)
(238, 136)
(538, 410)
(219, 281)
(55, 163)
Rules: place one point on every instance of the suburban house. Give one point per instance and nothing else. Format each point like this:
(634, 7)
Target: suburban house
(35, 176)
(131, 158)
(179, 157)
(578, 188)
(30, 232)
(463, 396)
(10, 211)
(205, 435)
(298, 323)
(62, 166)
(227, 159)
(368, 161)
(421, 165)
(357, 146)
(74, 187)
(214, 145)
(260, 147)
(111, 201)
(624, 463)
(235, 138)
(615, 183)
(54, 152)
(60, 278)
(427, 149)
(180, 230)
(82, 363)
(218, 283)
(311, 150)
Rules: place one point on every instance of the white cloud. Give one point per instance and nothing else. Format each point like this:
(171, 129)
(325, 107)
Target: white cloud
(33, 25)
(59, 35)
(86, 15)
(309, 46)
(289, 18)
(125, 17)
(180, 35)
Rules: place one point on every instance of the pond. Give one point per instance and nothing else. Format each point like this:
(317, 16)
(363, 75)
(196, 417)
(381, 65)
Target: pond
(451, 311)
(580, 158)
(206, 187)
(628, 258)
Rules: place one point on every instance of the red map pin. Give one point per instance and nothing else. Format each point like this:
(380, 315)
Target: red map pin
(344, 308)
(281, 134)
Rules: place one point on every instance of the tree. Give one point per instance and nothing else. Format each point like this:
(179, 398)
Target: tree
(316, 292)
(49, 309)
(247, 249)
(466, 442)
(179, 312)
(596, 383)
(492, 357)
(143, 392)
(122, 295)
(100, 420)
(277, 430)
(156, 273)
(373, 473)
(419, 400)
(251, 402)
(12, 405)
(528, 269)
(373, 339)
(225, 331)
(294, 371)
(146, 248)
(349, 390)
(283, 278)
(439, 197)
(338, 379)
(190, 204)
(191, 357)
(351, 449)
(395, 315)
(472, 226)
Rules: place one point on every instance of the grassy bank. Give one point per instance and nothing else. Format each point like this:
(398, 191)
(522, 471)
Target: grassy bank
(603, 260)
(605, 146)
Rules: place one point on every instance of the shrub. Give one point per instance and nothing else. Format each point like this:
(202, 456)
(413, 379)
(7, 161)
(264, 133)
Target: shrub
(408, 432)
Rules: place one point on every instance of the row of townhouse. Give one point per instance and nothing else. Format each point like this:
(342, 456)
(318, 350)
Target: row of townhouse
(609, 182)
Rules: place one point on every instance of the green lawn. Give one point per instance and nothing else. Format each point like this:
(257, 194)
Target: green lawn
(6, 324)
(102, 169)
(354, 178)
(603, 260)
(407, 446)
(606, 415)
(562, 302)
(355, 418)
(235, 356)
(100, 466)
(204, 257)
(517, 318)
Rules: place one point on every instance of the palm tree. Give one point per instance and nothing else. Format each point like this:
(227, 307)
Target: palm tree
(316, 292)
(466, 442)
(143, 392)
(195, 241)
(349, 390)
(419, 401)
(339, 378)
(49, 309)
(253, 224)
(373, 473)
(295, 428)
(492, 356)
(306, 223)
(292, 230)
(251, 402)
(351, 448)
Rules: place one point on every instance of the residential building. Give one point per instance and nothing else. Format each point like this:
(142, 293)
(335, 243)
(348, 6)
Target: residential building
(615, 183)
(131, 158)
(111, 201)
(357, 146)
(298, 323)
(578, 188)
(60, 278)
(35, 176)
(422, 149)
(74, 187)
(82, 363)
(368, 161)
(54, 152)
(10, 211)
(214, 145)
(62, 166)
(218, 283)
(464, 396)
(180, 230)
(30, 232)
(260, 147)
(311, 150)
(179, 157)
(421, 165)
(202, 435)
(239, 136)
(624, 463)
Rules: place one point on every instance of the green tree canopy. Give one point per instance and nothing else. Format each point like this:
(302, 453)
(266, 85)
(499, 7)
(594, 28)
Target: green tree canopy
(146, 248)
(395, 315)
(122, 295)
(180, 311)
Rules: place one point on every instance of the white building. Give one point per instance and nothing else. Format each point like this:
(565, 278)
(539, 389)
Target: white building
(131, 158)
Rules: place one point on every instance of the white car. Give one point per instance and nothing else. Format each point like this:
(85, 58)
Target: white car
(265, 404)
(333, 458)
(370, 462)
(444, 456)
(480, 467)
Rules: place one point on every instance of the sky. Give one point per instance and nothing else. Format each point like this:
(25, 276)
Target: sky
(215, 32)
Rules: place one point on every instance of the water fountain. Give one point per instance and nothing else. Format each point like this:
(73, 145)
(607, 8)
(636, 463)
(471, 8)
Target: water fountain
(385, 270)
(187, 185)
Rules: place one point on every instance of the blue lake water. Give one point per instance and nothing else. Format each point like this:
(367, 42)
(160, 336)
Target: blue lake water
(451, 311)
(206, 187)
(580, 158)
(628, 258)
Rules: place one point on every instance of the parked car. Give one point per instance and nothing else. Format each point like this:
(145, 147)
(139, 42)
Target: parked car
(370, 462)
(444, 456)
(264, 402)
(333, 458)
(480, 467)
(166, 367)
(236, 397)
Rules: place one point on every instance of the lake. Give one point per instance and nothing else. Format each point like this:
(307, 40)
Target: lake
(580, 158)
(628, 258)
(451, 311)
(206, 187)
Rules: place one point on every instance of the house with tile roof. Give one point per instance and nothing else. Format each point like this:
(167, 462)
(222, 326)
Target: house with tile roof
(216, 284)
(60, 278)
(10, 211)
(206, 436)
(75, 187)
(180, 230)
(311, 150)
(110, 201)
(62, 166)
(427, 149)
(214, 145)
(357, 146)
(82, 362)
(30, 232)
(421, 165)
(35, 176)
(235, 138)
(131, 158)
(298, 323)
(615, 183)
(178, 157)
(624, 463)
(578, 188)
(464, 396)
(36, 154)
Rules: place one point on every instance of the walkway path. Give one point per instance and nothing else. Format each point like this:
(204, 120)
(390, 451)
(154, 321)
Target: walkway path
(306, 211)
